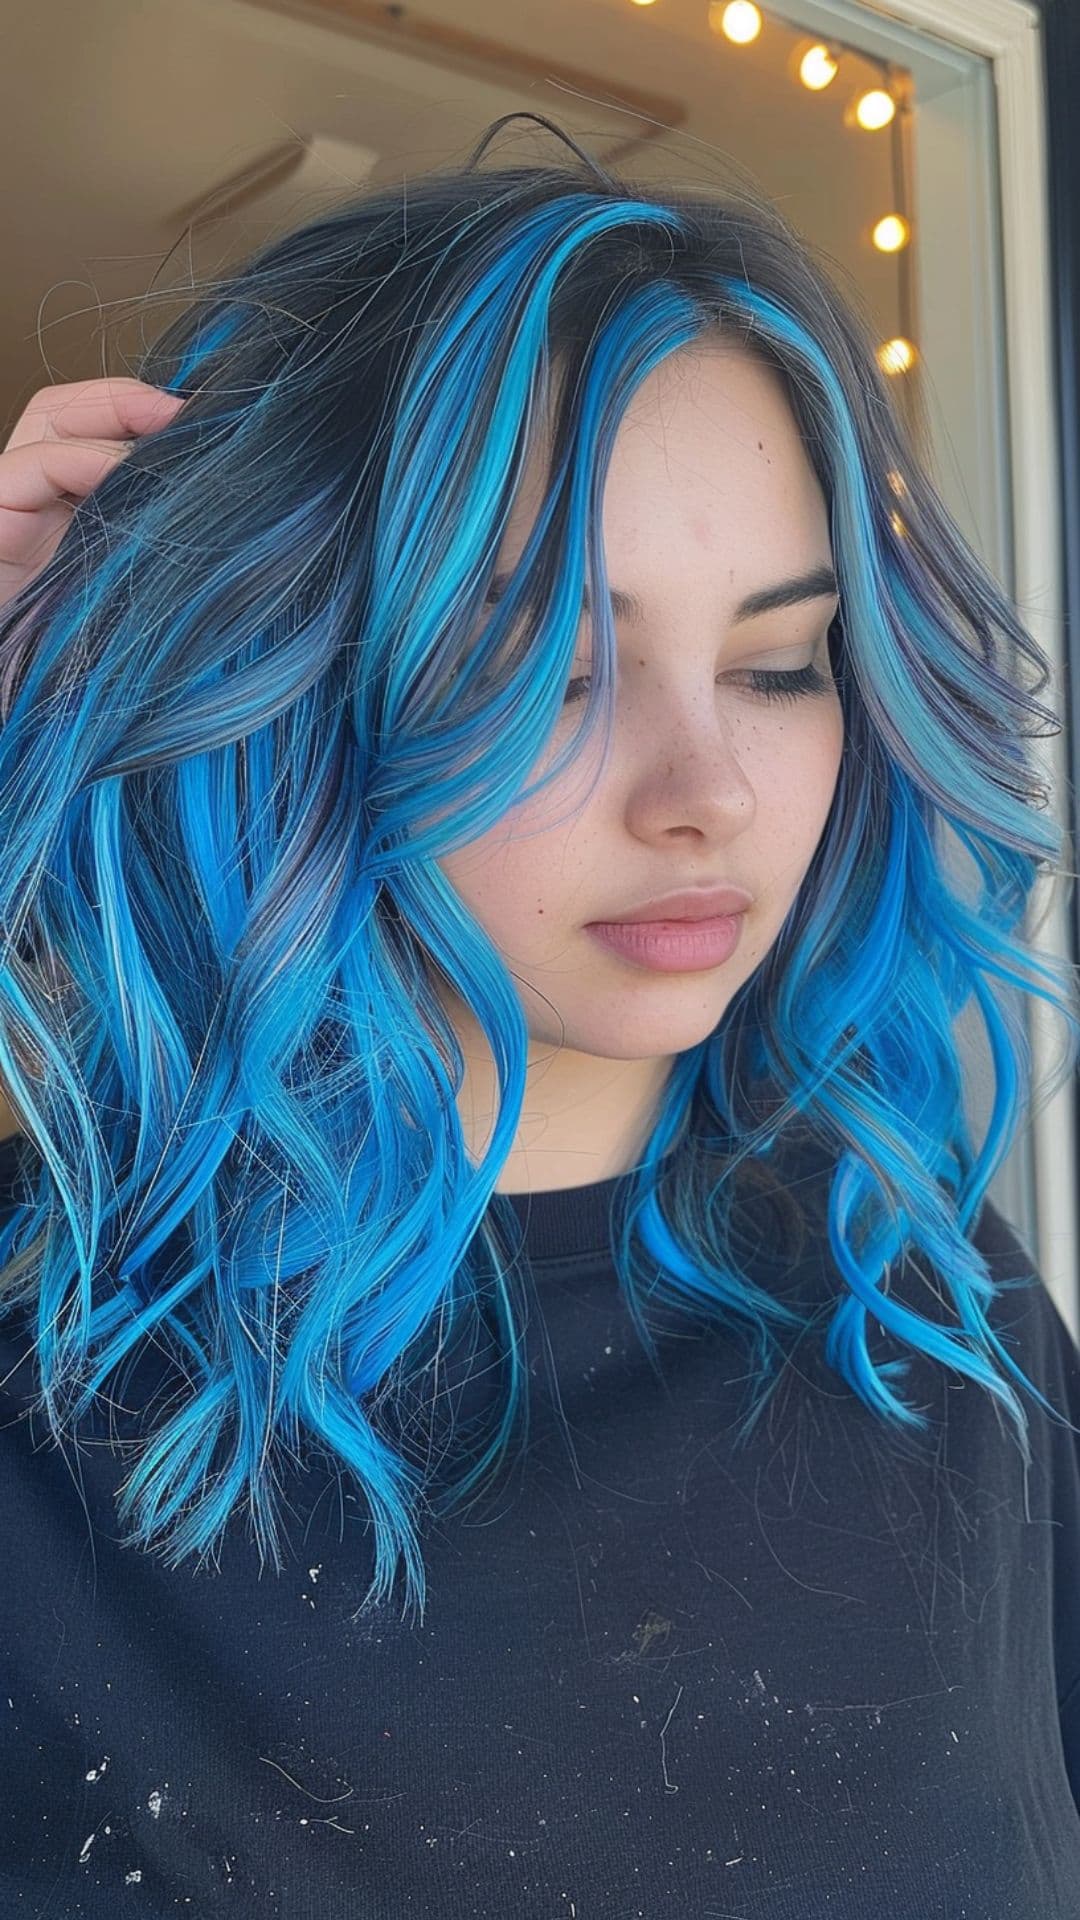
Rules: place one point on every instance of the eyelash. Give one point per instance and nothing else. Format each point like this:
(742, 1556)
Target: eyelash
(767, 685)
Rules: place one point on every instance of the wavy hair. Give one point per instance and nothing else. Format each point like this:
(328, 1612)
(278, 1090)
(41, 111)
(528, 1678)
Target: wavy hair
(252, 698)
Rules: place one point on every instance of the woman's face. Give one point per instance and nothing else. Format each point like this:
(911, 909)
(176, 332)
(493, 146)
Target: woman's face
(710, 497)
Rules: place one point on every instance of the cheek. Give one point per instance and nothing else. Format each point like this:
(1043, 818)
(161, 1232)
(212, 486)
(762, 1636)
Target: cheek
(796, 791)
(825, 747)
(501, 884)
(517, 881)
(832, 753)
(819, 774)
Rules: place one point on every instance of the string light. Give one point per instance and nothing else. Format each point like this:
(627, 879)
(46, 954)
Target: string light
(891, 233)
(816, 65)
(739, 21)
(896, 356)
(817, 68)
(874, 109)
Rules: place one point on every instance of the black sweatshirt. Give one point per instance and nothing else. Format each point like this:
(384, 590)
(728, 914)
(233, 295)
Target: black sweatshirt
(834, 1672)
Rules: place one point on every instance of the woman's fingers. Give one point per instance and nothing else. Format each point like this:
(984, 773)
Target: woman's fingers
(65, 442)
(117, 408)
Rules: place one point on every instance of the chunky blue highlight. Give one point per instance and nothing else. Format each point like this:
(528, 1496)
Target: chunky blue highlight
(251, 699)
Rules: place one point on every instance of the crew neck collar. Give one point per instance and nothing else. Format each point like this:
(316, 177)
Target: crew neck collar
(567, 1223)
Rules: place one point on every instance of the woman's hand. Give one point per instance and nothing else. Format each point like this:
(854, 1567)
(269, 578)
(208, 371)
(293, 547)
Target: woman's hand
(66, 441)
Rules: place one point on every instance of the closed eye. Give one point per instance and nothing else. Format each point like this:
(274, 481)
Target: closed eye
(765, 684)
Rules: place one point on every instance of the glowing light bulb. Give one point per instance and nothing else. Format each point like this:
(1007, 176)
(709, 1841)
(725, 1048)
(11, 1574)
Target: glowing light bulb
(891, 233)
(896, 356)
(739, 21)
(875, 109)
(817, 68)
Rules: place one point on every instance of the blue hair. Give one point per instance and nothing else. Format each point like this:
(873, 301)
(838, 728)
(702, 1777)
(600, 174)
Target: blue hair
(251, 699)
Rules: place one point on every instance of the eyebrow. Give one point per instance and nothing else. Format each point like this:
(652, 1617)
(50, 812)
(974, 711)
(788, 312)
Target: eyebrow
(814, 585)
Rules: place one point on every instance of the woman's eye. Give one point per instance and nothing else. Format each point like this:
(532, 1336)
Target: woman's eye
(766, 685)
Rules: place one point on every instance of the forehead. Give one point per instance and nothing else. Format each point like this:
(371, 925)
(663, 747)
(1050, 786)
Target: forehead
(708, 459)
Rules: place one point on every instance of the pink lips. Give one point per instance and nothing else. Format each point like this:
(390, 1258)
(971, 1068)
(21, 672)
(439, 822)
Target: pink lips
(672, 946)
(692, 903)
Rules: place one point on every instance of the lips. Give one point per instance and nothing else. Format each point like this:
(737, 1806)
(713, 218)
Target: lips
(692, 903)
(671, 946)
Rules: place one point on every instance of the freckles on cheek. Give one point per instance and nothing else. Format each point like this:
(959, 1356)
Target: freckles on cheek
(794, 787)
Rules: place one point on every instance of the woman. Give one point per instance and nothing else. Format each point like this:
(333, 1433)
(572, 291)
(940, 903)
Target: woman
(402, 1182)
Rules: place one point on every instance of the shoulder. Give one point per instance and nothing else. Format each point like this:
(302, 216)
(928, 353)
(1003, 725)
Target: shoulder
(1029, 1322)
(998, 1239)
(1015, 1270)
